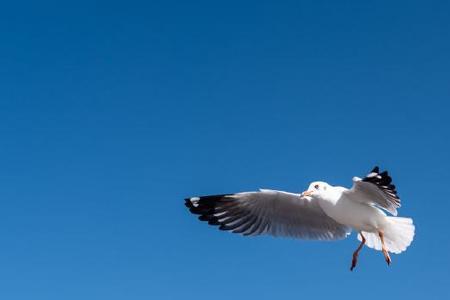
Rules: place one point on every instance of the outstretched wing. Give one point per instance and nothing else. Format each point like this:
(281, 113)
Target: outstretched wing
(270, 212)
(376, 189)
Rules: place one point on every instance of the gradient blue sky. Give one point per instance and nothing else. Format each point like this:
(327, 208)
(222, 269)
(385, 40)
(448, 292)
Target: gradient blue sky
(111, 113)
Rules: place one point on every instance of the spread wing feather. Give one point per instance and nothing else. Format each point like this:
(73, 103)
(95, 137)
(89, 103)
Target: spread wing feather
(269, 212)
(376, 189)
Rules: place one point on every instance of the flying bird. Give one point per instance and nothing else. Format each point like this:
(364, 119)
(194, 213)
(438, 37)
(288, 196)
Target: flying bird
(322, 212)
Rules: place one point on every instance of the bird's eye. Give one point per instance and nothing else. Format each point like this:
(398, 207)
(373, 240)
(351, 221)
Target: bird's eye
(316, 186)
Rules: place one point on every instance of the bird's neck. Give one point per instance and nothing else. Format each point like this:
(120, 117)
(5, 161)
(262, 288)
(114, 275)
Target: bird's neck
(332, 195)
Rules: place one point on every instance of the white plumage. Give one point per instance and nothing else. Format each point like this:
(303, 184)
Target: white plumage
(323, 212)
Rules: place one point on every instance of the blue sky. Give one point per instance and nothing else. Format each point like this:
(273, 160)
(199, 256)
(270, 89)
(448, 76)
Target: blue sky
(112, 113)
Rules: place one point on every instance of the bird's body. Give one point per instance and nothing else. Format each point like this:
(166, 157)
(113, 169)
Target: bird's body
(358, 216)
(323, 212)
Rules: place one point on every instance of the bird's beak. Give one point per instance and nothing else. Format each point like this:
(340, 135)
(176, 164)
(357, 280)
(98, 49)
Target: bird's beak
(307, 193)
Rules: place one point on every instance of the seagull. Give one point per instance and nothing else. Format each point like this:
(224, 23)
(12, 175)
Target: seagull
(322, 212)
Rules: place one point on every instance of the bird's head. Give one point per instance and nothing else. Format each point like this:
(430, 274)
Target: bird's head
(317, 189)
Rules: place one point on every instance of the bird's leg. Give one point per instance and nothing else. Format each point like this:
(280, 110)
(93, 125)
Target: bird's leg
(355, 254)
(383, 247)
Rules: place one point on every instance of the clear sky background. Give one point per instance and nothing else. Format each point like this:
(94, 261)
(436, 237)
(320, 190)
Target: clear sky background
(112, 113)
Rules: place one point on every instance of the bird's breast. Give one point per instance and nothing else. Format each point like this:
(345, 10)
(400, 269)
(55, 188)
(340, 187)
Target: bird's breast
(353, 214)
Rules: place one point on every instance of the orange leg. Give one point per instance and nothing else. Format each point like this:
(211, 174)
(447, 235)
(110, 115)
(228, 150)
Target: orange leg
(355, 254)
(383, 247)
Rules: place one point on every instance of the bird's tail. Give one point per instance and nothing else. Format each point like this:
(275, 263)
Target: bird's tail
(398, 235)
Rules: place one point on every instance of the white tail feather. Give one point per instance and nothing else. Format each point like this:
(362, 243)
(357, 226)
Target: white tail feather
(398, 235)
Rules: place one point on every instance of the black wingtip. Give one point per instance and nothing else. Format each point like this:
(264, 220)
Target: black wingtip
(187, 202)
(206, 206)
(383, 180)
